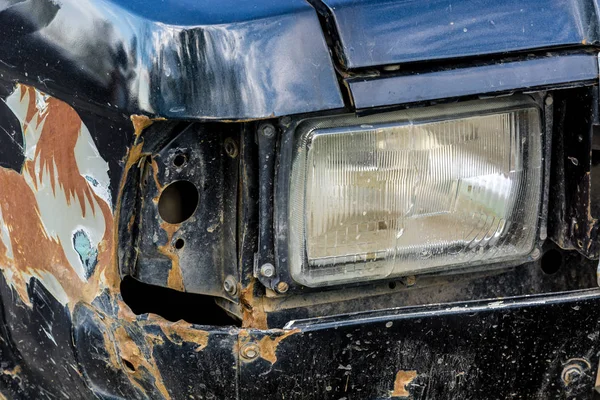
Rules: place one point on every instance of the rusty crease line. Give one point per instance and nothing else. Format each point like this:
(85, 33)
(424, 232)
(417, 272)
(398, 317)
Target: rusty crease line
(253, 309)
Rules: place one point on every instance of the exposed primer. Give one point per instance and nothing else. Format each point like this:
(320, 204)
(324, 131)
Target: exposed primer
(403, 379)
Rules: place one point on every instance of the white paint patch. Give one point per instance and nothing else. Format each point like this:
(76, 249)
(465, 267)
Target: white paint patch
(19, 107)
(61, 219)
(51, 284)
(5, 238)
(92, 166)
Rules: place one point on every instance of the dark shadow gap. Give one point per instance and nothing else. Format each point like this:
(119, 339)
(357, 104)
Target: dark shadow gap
(174, 305)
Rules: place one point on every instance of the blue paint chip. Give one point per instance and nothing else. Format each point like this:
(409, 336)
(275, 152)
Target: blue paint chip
(87, 254)
(91, 180)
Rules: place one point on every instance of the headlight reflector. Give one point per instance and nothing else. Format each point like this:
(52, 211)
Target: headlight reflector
(414, 191)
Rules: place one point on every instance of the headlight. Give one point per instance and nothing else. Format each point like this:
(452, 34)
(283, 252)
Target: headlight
(414, 191)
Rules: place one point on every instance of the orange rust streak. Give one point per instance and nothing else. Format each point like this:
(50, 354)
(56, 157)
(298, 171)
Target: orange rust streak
(175, 278)
(32, 248)
(181, 331)
(140, 122)
(133, 156)
(253, 310)
(56, 152)
(129, 351)
(403, 378)
(268, 345)
(155, 174)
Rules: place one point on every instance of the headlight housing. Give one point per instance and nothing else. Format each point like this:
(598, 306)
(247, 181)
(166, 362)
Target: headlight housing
(414, 191)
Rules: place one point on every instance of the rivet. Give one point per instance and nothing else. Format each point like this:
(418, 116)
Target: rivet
(250, 351)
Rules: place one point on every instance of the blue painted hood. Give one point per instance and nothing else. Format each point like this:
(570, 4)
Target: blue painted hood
(379, 32)
(179, 59)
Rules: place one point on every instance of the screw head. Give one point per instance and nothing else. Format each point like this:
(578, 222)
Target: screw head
(268, 130)
(267, 270)
(282, 287)
(549, 100)
(230, 285)
(250, 351)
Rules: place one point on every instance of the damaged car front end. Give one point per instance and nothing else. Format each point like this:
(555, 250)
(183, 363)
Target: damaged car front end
(331, 199)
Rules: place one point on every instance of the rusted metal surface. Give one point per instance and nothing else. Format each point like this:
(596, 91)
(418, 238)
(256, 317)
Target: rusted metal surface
(574, 209)
(181, 201)
(68, 330)
(63, 190)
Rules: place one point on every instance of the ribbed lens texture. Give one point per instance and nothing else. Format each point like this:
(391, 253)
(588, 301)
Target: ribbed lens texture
(392, 200)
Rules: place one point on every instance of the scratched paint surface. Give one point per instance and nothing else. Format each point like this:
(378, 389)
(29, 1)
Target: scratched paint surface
(56, 227)
(59, 265)
(74, 337)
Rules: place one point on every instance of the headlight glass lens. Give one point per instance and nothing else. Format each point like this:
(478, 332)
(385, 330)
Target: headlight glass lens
(414, 191)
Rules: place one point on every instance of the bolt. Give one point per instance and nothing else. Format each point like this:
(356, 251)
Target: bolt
(549, 100)
(282, 287)
(535, 254)
(267, 270)
(231, 147)
(250, 351)
(230, 285)
(268, 130)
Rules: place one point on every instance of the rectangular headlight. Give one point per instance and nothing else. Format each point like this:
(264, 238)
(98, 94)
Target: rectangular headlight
(414, 191)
